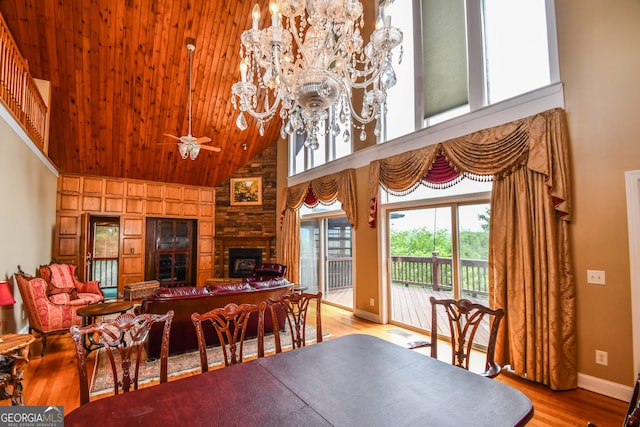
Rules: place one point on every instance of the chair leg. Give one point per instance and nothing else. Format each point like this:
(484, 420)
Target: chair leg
(44, 344)
(418, 344)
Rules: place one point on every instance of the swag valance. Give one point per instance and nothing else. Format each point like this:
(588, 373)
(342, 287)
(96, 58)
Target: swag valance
(489, 154)
(326, 190)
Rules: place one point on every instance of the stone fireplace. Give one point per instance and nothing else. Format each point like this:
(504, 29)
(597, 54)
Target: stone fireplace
(242, 261)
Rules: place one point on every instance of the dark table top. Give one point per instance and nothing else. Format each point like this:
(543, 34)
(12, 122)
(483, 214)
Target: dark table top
(102, 309)
(348, 381)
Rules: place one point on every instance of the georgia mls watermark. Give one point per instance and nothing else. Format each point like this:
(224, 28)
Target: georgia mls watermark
(31, 416)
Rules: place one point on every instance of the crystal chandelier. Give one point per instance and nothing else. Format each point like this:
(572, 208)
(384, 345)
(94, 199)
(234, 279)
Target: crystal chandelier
(307, 63)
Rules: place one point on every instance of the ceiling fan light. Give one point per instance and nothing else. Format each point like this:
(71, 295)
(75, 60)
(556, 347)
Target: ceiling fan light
(193, 153)
(184, 150)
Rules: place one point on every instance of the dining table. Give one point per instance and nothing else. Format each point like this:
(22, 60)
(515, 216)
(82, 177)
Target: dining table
(353, 380)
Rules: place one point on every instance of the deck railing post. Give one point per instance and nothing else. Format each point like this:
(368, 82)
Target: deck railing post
(435, 270)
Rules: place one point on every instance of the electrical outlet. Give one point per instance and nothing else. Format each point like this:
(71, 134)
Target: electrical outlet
(372, 302)
(602, 358)
(595, 277)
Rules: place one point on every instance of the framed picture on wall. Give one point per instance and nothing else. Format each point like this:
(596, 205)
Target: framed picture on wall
(246, 191)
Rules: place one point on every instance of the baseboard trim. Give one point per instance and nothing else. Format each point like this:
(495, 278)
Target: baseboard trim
(604, 387)
(374, 317)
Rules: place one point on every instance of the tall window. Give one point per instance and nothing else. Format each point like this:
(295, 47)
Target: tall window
(334, 144)
(461, 56)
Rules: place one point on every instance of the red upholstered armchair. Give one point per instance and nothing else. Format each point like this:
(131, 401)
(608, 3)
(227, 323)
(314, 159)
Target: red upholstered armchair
(64, 287)
(50, 312)
(262, 272)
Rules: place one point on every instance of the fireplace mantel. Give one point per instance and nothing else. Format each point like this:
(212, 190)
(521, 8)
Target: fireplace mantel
(223, 242)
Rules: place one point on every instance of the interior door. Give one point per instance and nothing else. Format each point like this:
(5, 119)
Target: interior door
(84, 255)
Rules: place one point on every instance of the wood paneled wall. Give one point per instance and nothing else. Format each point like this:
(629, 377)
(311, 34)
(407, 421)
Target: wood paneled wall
(132, 201)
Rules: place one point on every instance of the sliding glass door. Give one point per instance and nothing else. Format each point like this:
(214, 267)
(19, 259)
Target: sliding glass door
(440, 251)
(326, 258)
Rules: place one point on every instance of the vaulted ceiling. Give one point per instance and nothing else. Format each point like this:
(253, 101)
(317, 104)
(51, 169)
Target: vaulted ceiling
(119, 77)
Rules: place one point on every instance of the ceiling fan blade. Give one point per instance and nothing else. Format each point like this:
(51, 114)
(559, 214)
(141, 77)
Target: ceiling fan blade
(172, 136)
(206, 147)
(203, 140)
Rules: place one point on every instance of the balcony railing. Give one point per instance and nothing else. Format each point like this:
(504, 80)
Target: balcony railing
(340, 273)
(18, 90)
(106, 271)
(429, 272)
(436, 273)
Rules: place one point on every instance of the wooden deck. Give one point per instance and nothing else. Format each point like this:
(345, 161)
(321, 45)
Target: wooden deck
(410, 307)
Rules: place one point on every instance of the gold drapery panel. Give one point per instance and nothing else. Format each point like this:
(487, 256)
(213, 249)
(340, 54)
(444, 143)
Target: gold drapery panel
(530, 266)
(327, 189)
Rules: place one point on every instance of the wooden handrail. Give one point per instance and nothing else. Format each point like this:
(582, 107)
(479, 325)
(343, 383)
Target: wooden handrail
(18, 91)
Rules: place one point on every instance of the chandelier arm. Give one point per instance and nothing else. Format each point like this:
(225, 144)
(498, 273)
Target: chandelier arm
(270, 112)
(296, 37)
(368, 81)
(358, 117)
(283, 77)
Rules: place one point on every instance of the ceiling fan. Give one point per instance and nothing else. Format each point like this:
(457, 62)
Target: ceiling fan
(189, 146)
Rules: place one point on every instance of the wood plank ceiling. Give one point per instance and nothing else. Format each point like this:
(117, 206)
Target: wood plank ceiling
(119, 73)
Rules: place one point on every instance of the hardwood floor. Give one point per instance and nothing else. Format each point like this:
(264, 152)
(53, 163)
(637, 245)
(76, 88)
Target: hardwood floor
(53, 380)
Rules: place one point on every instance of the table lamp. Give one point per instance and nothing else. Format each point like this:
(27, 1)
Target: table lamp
(5, 298)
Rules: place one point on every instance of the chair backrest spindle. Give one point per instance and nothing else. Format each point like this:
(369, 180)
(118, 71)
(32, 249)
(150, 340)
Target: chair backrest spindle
(296, 309)
(230, 323)
(464, 319)
(122, 339)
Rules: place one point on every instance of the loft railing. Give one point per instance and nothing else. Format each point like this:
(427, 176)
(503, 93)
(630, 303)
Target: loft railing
(18, 90)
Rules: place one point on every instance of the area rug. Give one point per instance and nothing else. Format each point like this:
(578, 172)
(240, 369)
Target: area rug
(102, 378)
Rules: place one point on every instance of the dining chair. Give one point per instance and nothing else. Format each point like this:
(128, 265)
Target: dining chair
(296, 307)
(464, 319)
(230, 323)
(122, 339)
(632, 418)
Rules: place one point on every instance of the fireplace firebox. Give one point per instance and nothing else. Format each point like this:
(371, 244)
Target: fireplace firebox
(242, 261)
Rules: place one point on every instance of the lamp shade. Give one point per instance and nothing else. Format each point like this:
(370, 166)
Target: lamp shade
(5, 295)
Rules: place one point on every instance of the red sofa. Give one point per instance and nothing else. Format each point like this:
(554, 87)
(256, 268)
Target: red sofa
(266, 282)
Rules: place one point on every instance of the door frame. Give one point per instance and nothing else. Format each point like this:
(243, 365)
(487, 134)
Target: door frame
(632, 181)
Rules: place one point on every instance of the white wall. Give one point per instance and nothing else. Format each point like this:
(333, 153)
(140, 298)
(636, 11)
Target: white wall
(27, 211)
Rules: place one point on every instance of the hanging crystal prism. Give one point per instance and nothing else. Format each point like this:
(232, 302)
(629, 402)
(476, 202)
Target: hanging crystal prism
(363, 135)
(388, 78)
(241, 122)
(346, 136)
(335, 130)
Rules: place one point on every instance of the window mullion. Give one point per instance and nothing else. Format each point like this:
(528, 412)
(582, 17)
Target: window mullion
(552, 41)
(475, 55)
(418, 66)
(455, 253)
